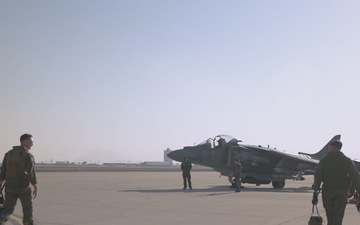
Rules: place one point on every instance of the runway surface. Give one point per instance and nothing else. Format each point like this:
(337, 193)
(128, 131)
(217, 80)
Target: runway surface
(145, 198)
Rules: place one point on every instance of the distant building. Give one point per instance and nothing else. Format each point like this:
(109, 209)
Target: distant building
(120, 164)
(166, 158)
(155, 163)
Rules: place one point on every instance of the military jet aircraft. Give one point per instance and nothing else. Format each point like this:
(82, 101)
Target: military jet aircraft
(261, 165)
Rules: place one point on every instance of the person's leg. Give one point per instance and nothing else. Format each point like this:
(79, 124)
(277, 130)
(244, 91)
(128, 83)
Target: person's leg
(189, 180)
(10, 202)
(26, 202)
(339, 207)
(328, 202)
(237, 184)
(184, 180)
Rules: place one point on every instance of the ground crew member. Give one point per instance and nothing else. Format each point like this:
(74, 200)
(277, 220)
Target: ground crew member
(334, 171)
(186, 167)
(237, 174)
(18, 171)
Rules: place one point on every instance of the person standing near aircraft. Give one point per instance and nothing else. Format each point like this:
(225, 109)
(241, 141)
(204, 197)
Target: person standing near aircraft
(237, 174)
(334, 171)
(186, 167)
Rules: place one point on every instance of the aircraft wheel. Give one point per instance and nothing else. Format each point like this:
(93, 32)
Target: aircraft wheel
(278, 184)
(257, 184)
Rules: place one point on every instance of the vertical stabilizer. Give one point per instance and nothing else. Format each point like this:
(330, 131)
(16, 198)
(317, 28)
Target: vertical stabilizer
(319, 155)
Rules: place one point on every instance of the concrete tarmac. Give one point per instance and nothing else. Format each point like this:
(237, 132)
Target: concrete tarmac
(146, 198)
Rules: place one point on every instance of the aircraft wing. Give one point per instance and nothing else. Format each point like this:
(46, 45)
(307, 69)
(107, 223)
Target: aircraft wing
(357, 164)
(281, 160)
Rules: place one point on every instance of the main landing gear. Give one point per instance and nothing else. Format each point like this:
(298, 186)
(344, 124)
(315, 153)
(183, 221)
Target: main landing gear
(278, 184)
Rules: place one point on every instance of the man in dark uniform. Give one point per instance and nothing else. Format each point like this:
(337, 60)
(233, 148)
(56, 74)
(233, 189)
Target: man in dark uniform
(18, 171)
(221, 142)
(334, 171)
(237, 174)
(186, 167)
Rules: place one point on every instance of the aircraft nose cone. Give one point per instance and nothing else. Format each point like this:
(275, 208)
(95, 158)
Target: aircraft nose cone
(177, 155)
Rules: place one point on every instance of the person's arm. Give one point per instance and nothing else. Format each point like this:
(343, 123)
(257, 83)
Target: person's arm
(3, 172)
(317, 182)
(318, 177)
(354, 175)
(34, 194)
(30, 168)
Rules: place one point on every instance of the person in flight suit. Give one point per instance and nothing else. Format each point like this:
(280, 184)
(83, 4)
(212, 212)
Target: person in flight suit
(186, 167)
(221, 142)
(18, 172)
(237, 174)
(334, 171)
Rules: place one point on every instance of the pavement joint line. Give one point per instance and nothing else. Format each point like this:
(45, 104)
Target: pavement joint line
(16, 219)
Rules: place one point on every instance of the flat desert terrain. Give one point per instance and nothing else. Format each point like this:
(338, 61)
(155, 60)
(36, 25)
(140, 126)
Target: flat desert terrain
(146, 198)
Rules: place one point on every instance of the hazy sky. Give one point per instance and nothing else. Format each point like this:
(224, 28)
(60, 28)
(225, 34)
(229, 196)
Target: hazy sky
(129, 79)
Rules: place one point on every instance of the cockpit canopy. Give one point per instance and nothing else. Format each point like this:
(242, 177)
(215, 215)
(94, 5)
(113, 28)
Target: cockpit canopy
(221, 139)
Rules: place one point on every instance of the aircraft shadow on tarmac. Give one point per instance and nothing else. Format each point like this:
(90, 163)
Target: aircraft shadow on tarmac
(222, 189)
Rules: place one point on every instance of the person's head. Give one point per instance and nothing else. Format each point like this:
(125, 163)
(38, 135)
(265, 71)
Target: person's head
(221, 142)
(335, 146)
(186, 159)
(26, 141)
(237, 161)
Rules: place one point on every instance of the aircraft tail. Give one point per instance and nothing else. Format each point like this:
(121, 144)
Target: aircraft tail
(319, 155)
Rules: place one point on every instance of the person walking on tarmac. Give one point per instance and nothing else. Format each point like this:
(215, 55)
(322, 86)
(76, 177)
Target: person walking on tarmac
(237, 174)
(186, 167)
(334, 171)
(18, 172)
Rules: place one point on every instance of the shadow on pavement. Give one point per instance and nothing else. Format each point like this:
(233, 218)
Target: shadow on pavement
(226, 189)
